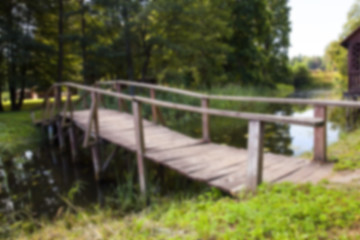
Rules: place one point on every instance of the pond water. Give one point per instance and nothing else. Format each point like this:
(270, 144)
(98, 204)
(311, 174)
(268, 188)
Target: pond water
(41, 180)
(302, 137)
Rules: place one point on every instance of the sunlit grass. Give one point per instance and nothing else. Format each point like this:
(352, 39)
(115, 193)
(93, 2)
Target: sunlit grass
(30, 104)
(346, 152)
(284, 211)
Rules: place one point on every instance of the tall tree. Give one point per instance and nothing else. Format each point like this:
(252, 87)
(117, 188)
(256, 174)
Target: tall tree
(335, 54)
(261, 40)
(60, 47)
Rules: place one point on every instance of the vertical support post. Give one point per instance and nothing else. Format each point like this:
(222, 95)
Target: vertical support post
(139, 137)
(121, 104)
(153, 107)
(72, 142)
(255, 154)
(96, 160)
(93, 117)
(205, 120)
(320, 135)
(70, 105)
(60, 134)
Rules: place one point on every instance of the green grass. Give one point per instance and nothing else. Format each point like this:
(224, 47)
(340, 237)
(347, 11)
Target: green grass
(281, 212)
(346, 152)
(17, 131)
(30, 104)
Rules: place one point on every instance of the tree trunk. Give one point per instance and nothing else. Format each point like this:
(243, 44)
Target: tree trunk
(11, 64)
(83, 42)
(146, 63)
(1, 104)
(130, 67)
(60, 46)
(22, 88)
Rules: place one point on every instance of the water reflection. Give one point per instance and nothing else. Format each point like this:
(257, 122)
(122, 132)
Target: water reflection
(302, 137)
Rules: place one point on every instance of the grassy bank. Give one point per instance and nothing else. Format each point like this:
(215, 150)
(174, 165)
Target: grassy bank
(280, 212)
(17, 131)
(346, 152)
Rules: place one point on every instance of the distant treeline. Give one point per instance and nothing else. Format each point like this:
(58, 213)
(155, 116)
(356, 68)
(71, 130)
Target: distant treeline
(181, 42)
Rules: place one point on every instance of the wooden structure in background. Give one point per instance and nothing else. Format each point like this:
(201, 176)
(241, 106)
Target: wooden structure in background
(352, 44)
(228, 168)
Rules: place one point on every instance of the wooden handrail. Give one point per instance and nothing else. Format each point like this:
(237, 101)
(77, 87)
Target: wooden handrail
(209, 111)
(314, 102)
(234, 114)
(255, 122)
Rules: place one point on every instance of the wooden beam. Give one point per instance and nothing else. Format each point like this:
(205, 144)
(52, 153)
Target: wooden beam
(96, 161)
(108, 160)
(93, 111)
(320, 135)
(153, 107)
(72, 139)
(121, 104)
(205, 120)
(140, 148)
(255, 155)
(313, 102)
(60, 134)
(233, 114)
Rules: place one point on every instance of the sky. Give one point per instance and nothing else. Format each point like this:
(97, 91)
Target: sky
(315, 23)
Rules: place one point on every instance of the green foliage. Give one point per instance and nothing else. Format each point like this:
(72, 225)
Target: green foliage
(186, 43)
(335, 54)
(261, 39)
(346, 152)
(76, 189)
(313, 63)
(283, 211)
(17, 131)
(301, 76)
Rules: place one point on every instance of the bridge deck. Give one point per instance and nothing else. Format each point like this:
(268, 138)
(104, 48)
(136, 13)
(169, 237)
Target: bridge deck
(218, 165)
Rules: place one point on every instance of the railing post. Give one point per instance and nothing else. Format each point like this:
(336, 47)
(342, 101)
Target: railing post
(153, 107)
(72, 139)
(205, 120)
(60, 134)
(93, 117)
(320, 135)
(140, 148)
(121, 104)
(255, 155)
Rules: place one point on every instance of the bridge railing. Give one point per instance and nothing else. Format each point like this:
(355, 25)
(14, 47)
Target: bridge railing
(256, 123)
(320, 108)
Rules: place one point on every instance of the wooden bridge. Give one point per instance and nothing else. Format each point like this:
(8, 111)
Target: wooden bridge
(228, 168)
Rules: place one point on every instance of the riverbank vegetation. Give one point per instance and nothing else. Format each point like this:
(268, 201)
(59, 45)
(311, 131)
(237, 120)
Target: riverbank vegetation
(280, 212)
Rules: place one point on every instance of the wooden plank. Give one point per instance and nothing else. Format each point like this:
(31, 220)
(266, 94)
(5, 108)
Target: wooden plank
(302, 173)
(255, 155)
(320, 135)
(166, 155)
(217, 165)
